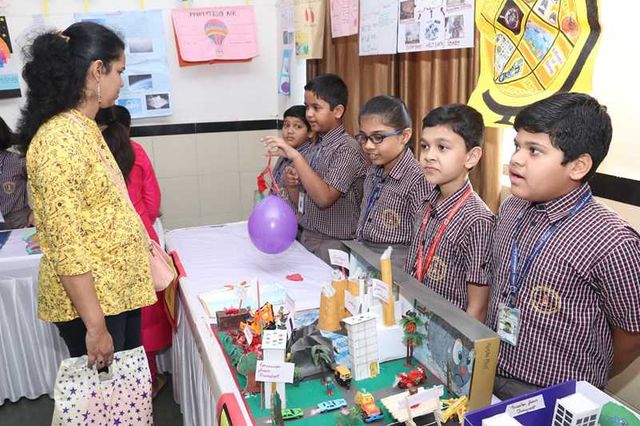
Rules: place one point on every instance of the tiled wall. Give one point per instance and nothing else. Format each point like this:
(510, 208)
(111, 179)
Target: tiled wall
(206, 178)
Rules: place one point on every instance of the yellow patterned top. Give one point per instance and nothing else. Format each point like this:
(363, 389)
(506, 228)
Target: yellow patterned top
(83, 220)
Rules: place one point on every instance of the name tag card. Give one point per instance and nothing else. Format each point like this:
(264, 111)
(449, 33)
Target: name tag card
(279, 372)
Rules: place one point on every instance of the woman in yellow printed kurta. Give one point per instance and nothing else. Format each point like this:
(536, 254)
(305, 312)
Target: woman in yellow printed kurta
(94, 274)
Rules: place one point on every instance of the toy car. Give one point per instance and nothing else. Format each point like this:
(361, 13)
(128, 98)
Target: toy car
(292, 413)
(343, 376)
(414, 377)
(331, 405)
(370, 410)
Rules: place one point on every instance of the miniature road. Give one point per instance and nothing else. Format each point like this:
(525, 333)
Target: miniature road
(349, 396)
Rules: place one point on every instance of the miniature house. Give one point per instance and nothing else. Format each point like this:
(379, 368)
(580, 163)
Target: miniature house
(274, 345)
(576, 410)
(363, 345)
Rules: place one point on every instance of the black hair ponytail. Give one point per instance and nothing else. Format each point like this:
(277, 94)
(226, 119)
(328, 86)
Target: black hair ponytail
(55, 70)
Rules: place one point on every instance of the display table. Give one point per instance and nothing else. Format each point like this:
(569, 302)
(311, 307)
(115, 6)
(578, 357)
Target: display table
(212, 257)
(30, 349)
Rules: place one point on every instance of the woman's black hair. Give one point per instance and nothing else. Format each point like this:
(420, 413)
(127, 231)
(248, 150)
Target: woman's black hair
(55, 70)
(6, 136)
(300, 112)
(117, 138)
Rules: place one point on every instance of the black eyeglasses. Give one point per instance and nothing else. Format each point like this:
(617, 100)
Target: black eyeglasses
(376, 138)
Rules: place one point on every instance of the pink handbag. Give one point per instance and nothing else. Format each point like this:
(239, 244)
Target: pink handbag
(163, 271)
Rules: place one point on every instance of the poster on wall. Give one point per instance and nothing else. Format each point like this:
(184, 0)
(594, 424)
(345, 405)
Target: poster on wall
(9, 81)
(206, 35)
(378, 27)
(287, 32)
(530, 50)
(344, 18)
(147, 85)
(309, 22)
(435, 25)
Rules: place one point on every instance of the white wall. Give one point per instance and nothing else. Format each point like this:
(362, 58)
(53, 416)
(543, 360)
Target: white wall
(216, 92)
(616, 85)
(205, 178)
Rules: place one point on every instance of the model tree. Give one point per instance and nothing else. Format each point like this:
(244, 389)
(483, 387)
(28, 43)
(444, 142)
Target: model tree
(297, 376)
(349, 417)
(233, 351)
(247, 367)
(412, 337)
(321, 356)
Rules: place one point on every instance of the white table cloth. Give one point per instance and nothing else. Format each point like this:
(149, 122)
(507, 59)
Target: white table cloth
(30, 349)
(212, 257)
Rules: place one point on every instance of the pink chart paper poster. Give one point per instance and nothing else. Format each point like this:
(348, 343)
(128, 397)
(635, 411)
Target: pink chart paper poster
(344, 18)
(216, 33)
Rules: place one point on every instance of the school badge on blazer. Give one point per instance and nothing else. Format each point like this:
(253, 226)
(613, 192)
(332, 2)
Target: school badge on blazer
(545, 300)
(390, 218)
(438, 269)
(9, 187)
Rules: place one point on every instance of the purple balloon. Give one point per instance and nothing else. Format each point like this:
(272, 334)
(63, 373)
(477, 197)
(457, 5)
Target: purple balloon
(272, 225)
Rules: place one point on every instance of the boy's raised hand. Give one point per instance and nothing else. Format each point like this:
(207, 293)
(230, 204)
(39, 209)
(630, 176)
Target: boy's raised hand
(279, 147)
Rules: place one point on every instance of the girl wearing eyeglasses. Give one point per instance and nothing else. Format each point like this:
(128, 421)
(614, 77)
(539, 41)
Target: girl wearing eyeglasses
(395, 186)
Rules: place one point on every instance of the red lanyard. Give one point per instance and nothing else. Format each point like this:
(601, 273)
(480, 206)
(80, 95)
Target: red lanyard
(422, 264)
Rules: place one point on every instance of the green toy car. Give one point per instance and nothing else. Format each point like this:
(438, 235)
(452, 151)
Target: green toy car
(292, 413)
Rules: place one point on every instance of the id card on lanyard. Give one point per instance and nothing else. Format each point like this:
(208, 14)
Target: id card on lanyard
(508, 314)
(374, 195)
(422, 262)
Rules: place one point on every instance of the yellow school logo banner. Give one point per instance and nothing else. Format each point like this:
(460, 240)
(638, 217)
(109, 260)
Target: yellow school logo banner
(531, 49)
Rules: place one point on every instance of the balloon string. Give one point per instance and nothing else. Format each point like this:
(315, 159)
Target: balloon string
(273, 179)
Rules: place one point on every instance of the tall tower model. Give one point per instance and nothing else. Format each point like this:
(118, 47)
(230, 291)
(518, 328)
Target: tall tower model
(363, 345)
(576, 410)
(274, 345)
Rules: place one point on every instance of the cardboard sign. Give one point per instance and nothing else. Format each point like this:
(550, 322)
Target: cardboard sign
(278, 372)
(339, 258)
(525, 406)
(426, 395)
(248, 334)
(351, 302)
(380, 290)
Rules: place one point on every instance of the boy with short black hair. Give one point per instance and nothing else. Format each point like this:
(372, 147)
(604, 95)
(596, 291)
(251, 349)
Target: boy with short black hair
(450, 251)
(566, 270)
(325, 181)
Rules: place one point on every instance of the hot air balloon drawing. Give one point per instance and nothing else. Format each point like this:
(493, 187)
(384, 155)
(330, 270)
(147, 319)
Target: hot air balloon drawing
(216, 30)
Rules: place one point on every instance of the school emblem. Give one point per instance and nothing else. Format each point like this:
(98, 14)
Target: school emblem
(390, 218)
(545, 300)
(437, 269)
(9, 187)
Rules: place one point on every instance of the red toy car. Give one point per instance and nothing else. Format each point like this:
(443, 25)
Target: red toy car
(414, 377)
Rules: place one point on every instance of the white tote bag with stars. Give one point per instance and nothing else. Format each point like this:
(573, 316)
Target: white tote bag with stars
(121, 396)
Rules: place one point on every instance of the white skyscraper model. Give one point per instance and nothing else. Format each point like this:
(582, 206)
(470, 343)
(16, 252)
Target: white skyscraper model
(363, 345)
(576, 410)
